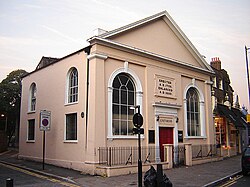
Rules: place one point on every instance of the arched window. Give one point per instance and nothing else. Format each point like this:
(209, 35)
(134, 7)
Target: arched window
(122, 101)
(193, 113)
(73, 86)
(32, 101)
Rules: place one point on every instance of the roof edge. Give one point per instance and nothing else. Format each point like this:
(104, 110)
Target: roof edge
(148, 53)
(85, 49)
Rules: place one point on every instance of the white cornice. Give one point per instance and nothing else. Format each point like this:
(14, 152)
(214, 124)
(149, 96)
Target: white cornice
(96, 55)
(148, 54)
(174, 27)
(168, 105)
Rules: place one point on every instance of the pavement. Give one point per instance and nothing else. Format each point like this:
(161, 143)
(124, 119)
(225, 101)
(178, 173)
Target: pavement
(209, 174)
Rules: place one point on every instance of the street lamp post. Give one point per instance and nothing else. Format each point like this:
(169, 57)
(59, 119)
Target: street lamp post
(248, 81)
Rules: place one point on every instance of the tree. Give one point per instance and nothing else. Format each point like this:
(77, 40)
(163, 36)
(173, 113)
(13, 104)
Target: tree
(10, 100)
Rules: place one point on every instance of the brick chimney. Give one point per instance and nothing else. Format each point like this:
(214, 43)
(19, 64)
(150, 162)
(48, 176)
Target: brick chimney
(216, 63)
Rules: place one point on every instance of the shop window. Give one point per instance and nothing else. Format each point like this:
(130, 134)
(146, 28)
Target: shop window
(220, 128)
(71, 126)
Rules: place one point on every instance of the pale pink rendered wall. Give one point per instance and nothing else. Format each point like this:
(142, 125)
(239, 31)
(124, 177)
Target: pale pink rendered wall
(51, 95)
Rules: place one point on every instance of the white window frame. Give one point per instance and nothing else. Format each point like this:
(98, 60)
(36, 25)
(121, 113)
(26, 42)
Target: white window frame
(28, 124)
(68, 88)
(65, 129)
(202, 112)
(32, 97)
(138, 98)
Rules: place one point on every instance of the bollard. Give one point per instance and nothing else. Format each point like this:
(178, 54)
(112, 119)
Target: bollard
(9, 182)
(159, 175)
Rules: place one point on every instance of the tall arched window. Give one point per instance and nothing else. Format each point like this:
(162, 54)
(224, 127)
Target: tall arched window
(32, 102)
(122, 101)
(193, 113)
(73, 86)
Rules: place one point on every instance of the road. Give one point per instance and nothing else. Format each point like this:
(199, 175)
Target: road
(27, 178)
(238, 181)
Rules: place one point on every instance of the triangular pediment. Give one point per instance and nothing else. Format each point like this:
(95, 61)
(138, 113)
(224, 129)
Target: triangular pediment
(158, 34)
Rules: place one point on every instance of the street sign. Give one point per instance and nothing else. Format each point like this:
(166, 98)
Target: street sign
(137, 120)
(45, 120)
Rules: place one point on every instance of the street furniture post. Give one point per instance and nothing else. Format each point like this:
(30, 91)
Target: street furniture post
(138, 122)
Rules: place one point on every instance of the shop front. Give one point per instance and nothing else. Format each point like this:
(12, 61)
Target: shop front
(229, 130)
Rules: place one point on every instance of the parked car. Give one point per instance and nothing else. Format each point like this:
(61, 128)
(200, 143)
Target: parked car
(245, 161)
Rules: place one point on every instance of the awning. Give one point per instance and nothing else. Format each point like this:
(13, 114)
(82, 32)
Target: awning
(233, 115)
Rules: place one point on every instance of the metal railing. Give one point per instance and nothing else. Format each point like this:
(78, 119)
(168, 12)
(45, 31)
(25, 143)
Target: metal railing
(203, 151)
(113, 156)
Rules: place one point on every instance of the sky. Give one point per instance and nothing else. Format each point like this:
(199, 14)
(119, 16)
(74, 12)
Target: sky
(30, 29)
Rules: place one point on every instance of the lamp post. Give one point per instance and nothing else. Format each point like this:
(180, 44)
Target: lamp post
(248, 81)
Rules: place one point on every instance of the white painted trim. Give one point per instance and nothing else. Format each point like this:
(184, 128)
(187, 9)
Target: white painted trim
(171, 23)
(202, 109)
(138, 88)
(66, 102)
(77, 128)
(165, 110)
(209, 82)
(153, 55)
(157, 141)
(27, 133)
(70, 141)
(133, 25)
(96, 55)
(131, 137)
(168, 105)
(195, 137)
(30, 141)
(30, 97)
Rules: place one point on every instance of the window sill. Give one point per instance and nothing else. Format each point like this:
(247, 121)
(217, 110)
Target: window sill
(30, 141)
(70, 141)
(195, 137)
(68, 104)
(31, 112)
(133, 137)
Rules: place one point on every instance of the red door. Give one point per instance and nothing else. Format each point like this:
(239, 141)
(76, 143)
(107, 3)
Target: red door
(165, 137)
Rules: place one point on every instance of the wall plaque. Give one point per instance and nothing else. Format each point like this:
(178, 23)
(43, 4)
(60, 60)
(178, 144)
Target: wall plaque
(164, 86)
(166, 121)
